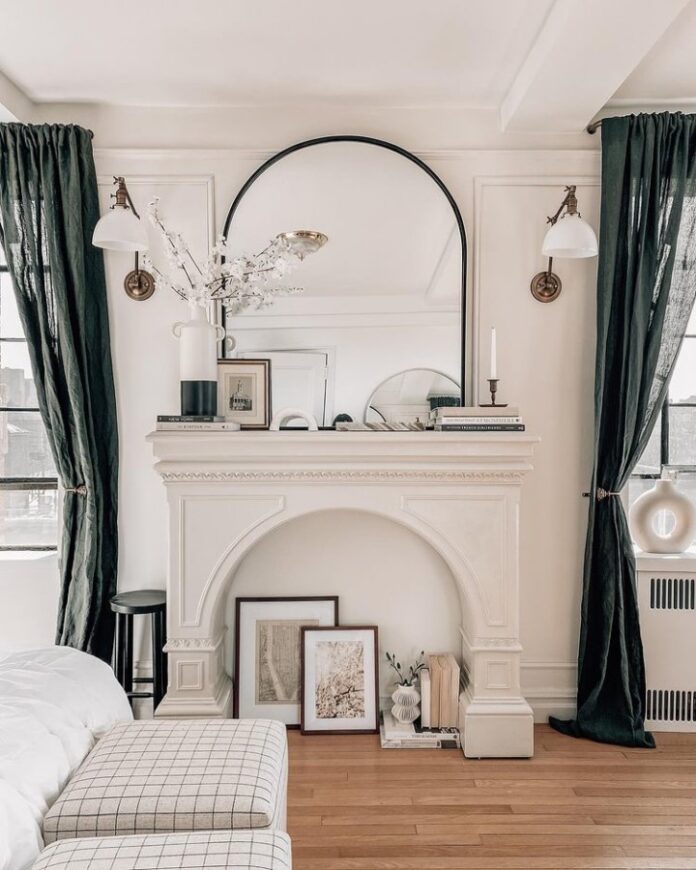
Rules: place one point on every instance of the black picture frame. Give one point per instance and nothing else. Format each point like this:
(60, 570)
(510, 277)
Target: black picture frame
(273, 599)
(266, 365)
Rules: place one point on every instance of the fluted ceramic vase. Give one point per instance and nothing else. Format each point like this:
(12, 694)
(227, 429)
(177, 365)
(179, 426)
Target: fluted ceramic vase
(406, 700)
(198, 355)
(663, 497)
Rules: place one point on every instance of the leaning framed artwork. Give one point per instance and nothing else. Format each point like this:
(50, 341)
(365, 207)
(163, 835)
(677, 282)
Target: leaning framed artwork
(267, 663)
(244, 392)
(340, 680)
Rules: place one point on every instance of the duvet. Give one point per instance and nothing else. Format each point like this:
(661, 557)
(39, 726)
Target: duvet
(54, 704)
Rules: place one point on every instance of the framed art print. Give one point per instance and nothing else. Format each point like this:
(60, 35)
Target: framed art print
(267, 662)
(340, 683)
(244, 392)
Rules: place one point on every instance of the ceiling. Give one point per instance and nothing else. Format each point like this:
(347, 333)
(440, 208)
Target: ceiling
(534, 64)
(215, 53)
(667, 73)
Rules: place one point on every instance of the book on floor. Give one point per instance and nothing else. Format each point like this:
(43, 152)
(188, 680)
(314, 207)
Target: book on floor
(397, 735)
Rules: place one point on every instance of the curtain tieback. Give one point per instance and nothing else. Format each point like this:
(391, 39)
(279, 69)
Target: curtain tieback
(81, 489)
(600, 494)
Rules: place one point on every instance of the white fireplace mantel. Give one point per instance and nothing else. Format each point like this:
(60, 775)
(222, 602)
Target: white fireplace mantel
(458, 491)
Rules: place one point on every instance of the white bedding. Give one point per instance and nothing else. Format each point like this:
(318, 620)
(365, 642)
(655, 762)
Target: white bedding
(54, 704)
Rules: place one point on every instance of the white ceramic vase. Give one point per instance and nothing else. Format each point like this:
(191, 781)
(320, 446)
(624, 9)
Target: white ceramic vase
(665, 496)
(198, 340)
(406, 700)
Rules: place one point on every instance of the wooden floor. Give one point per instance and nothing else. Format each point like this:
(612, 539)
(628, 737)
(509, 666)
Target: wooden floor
(576, 804)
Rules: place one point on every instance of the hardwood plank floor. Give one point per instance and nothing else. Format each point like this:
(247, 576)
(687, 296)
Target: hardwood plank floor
(576, 805)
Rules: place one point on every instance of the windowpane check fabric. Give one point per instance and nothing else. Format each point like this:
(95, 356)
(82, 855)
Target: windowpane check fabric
(212, 850)
(161, 776)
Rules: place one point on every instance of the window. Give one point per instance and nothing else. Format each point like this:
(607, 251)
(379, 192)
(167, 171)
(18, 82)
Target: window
(28, 480)
(672, 444)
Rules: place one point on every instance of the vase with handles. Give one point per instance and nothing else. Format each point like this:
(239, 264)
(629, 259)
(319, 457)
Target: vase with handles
(198, 339)
(663, 497)
(406, 700)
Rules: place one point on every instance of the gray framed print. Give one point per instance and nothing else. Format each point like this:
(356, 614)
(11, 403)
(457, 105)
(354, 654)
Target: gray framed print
(340, 680)
(267, 658)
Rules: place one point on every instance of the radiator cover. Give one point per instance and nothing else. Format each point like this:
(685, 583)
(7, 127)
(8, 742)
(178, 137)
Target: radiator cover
(667, 604)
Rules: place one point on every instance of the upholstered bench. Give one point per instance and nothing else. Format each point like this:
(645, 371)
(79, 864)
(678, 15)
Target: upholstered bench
(221, 850)
(164, 775)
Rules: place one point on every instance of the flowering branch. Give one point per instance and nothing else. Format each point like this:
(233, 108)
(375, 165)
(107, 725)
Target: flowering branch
(241, 281)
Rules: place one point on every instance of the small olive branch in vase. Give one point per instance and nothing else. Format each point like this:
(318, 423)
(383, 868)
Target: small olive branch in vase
(409, 677)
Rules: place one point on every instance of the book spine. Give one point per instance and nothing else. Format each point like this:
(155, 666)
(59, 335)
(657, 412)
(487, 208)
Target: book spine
(189, 418)
(481, 427)
(425, 698)
(477, 421)
(197, 427)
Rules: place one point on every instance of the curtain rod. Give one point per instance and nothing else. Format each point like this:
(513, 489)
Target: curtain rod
(593, 127)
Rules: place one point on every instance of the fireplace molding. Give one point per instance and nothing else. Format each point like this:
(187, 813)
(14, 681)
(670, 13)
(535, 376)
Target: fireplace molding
(460, 492)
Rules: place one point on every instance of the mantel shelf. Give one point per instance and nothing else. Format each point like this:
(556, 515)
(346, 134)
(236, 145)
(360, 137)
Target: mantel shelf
(322, 449)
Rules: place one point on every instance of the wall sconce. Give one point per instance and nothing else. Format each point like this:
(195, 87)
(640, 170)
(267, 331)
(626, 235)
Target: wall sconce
(568, 236)
(121, 229)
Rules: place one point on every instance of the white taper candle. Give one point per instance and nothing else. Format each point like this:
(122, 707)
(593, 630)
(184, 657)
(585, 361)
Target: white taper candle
(494, 355)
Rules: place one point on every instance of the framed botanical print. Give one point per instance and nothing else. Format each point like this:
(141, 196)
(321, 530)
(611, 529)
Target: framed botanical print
(267, 665)
(244, 392)
(340, 682)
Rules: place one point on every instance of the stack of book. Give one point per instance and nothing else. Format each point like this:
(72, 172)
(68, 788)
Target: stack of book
(439, 688)
(413, 735)
(177, 423)
(475, 419)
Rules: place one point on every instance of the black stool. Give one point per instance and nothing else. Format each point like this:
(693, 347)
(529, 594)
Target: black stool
(125, 606)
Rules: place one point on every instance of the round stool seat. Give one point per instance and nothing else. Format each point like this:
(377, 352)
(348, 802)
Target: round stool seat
(139, 601)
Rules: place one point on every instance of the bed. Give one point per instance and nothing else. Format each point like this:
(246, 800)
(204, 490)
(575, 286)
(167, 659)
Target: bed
(54, 704)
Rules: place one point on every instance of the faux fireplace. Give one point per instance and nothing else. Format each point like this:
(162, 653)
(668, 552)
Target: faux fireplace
(459, 492)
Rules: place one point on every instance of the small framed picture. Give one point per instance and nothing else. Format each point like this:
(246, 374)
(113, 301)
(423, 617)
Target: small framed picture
(244, 392)
(267, 663)
(340, 682)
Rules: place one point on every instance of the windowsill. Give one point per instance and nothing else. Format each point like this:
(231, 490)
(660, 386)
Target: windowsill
(26, 555)
(666, 561)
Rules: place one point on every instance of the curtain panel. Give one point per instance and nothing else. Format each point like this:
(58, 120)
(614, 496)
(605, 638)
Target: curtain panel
(48, 210)
(646, 286)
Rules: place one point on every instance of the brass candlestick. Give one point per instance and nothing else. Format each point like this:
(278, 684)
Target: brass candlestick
(493, 387)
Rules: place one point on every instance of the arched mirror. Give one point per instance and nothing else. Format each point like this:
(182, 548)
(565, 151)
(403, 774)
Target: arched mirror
(385, 294)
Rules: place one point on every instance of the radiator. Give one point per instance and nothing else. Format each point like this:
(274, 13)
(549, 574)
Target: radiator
(667, 604)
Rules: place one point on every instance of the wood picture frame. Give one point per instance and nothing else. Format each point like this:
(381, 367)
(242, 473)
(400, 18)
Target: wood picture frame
(244, 392)
(255, 620)
(368, 722)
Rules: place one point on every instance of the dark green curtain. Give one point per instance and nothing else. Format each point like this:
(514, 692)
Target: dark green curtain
(646, 285)
(48, 209)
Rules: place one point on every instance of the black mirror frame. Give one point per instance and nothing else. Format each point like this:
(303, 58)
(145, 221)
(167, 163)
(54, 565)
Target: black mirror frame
(397, 149)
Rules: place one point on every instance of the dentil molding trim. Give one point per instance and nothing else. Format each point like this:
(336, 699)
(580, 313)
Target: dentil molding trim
(514, 477)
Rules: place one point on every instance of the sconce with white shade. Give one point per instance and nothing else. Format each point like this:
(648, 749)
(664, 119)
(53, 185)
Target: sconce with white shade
(570, 237)
(121, 229)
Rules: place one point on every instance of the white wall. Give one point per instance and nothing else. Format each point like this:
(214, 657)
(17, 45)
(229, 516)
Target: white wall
(546, 367)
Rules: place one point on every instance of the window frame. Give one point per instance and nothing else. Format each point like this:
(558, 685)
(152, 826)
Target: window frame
(19, 484)
(664, 433)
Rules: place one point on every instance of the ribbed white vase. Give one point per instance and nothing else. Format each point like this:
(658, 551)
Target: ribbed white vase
(406, 700)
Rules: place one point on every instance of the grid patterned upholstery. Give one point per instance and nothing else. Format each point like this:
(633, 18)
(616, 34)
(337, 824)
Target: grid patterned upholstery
(162, 776)
(212, 850)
